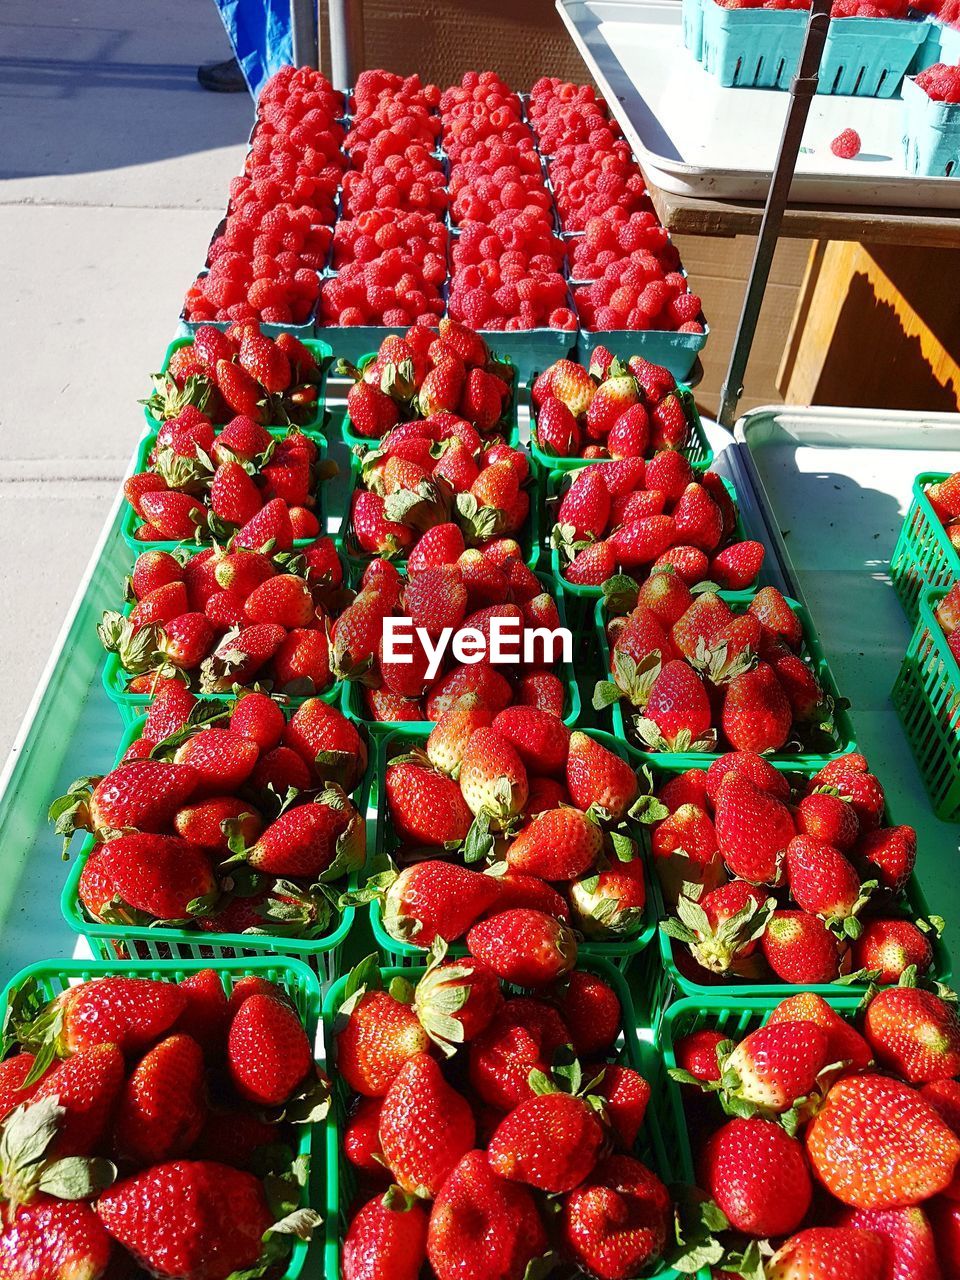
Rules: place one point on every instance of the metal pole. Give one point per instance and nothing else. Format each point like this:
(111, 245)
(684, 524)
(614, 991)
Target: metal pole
(346, 41)
(303, 26)
(802, 89)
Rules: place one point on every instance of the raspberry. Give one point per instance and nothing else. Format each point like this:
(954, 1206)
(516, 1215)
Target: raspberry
(846, 145)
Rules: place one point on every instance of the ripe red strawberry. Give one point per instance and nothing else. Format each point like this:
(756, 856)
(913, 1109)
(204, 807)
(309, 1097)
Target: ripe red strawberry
(677, 716)
(143, 795)
(456, 1000)
(908, 1237)
(387, 1240)
(585, 510)
(449, 737)
(609, 902)
(56, 1239)
(372, 412)
(493, 780)
(626, 1096)
(159, 875)
(435, 599)
(597, 777)
(328, 742)
(379, 1035)
(617, 1222)
(361, 1141)
(426, 1126)
(284, 600)
(689, 787)
(86, 1086)
(131, 1013)
(162, 1108)
(889, 854)
(239, 657)
(800, 949)
(560, 844)
(205, 1016)
(591, 1010)
(823, 881)
(269, 529)
(698, 519)
(592, 566)
(433, 900)
(685, 850)
(241, 571)
(186, 641)
(540, 739)
(258, 717)
(268, 1053)
(239, 390)
(482, 1226)
(758, 770)
(758, 1176)
(669, 426)
(777, 1065)
(194, 1219)
(820, 1252)
(642, 541)
(222, 759)
(172, 515)
(914, 1033)
(442, 544)
(480, 678)
(735, 568)
(666, 595)
(875, 1144)
(525, 947)
(241, 438)
(888, 947)
(426, 807)
(523, 1036)
(756, 715)
(753, 830)
(152, 570)
(828, 818)
(551, 1141)
(844, 1043)
(311, 841)
(233, 495)
(696, 1053)
(374, 533)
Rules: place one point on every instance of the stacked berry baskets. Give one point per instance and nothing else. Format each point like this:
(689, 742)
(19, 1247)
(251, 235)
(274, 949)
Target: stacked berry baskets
(589, 866)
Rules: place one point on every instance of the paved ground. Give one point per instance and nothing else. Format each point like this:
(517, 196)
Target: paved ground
(114, 167)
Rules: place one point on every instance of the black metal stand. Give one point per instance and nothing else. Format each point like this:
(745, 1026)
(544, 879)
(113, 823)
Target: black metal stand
(802, 89)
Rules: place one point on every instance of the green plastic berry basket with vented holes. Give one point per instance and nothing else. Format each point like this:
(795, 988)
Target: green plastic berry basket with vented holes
(507, 427)
(162, 942)
(660, 1145)
(52, 977)
(634, 955)
(581, 600)
(837, 742)
(353, 704)
(312, 422)
(131, 523)
(698, 451)
(924, 556)
(911, 905)
(927, 699)
(528, 537)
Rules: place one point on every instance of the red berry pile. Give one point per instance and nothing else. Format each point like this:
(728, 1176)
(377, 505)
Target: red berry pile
(514, 786)
(242, 483)
(222, 619)
(417, 235)
(944, 497)
(194, 826)
(271, 381)
(564, 114)
(482, 1135)
(836, 1132)
(809, 866)
(655, 518)
(156, 1110)
(703, 672)
(596, 180)
(447, 585)
(452, 377)
(940, 82)
(610, 410)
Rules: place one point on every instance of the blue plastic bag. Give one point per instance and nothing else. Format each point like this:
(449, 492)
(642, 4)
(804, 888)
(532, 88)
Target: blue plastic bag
(262, 37)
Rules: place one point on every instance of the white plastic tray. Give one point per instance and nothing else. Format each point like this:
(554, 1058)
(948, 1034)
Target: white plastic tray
(693, 137)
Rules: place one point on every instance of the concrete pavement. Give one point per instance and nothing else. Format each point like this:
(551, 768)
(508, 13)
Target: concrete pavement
(114, 168)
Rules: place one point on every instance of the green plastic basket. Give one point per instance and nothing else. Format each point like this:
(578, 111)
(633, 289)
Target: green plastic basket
(659, 1145)
(507, 428)
(734, 1017)
(924, 556)
(131, 522)
(927, 698)
(635, 954)
(698, 451)
(528, 537)
(581, 599)
(322, 353)
(844, 739)
(162, 942)
(353, 706)
(300, 983)
(913, 905)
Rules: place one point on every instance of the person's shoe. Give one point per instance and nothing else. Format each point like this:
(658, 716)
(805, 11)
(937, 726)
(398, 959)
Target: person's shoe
(222, 77)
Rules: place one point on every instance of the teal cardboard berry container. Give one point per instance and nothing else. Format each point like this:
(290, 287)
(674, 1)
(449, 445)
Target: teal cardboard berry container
(924, 556)
(752, 48)
(868, 57)
(927, 699)
(50, 978)
(931, 133)
(675, 351)
(691, 19)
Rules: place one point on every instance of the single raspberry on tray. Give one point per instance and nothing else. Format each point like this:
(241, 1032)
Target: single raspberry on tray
(846, 145)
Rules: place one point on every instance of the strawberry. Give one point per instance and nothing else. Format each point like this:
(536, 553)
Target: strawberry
(320, 840)
(585, 510)
(823, 881)
(907, 1234)
(753, 830)
(668, 422)
(269, 529)
(557, 432)
(268, 1053)
(449, 737)
(677, 716)
(435, 599)
(666, 595)
(131, 1013)
(875, 1144)
(616, 1223)
(162, 876)
(242, 571)
(426, 807)
(222, 759)
(442, 544)
(702, 625)
(284, 600)
(612, 398)
(372, 412)
(522, 946)
(55, 1239)
(828, 818)
(756, 714)
(629, 436)
(528, 891)
(361, 1141)
(572, 385)
(259, 718)
(914, 1033)
(480, 678)
(205, 1017)
(551, 1141)
(560, 844)
(197, 1220)
(493, 780)
(162, 1109)
(777, 1065)
(240, 391)
(234, 497)
(239, 656)
(281, 769)
(642, 541)
(522, 1037)
(540, 739)
(722, 927)
(698, 519)
(591, 1010)
(696, 1054)
(609, 902)
(374, 532)
(800, 949)
(544, 691)
(433, 900)
(482, 1226)
(185, 641)
(171, 515)
(758, 770)
(758, 1176)
(14, 1090)
(455, 1000)
(240, 438)
(776, 617)
(592, 565)
(856, 785)
(844, 1043)
(626, 1096)
(888, 854)
(685, 850)
(426, 1126)
(889, 947)
(735, 568)
(143, 795)
(379, 1035)
(328, 742)
(821, 1252)
(387, 1239)
(442, 387)
(689, 787)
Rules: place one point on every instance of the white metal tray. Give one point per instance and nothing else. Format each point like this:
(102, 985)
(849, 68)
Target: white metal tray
(693, 137)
